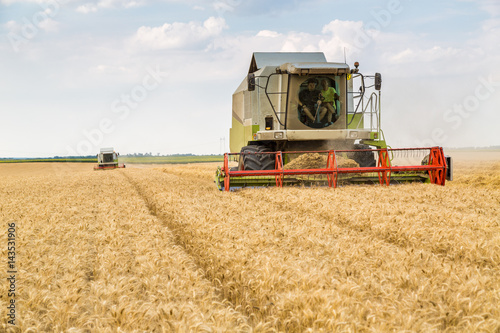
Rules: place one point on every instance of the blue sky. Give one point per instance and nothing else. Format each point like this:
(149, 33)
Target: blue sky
(67, 68)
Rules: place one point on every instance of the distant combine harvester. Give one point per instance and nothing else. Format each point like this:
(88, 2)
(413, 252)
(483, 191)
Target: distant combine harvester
(108, 159)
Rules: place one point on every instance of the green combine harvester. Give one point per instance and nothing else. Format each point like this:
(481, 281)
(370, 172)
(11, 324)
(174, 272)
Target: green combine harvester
(108, 159)
(298, 106)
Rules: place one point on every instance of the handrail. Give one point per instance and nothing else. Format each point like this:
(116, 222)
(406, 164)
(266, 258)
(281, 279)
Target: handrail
(269, 98)
(373, 110)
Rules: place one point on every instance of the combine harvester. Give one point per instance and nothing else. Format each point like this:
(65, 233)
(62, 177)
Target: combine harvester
(297, 120)
(108, 159)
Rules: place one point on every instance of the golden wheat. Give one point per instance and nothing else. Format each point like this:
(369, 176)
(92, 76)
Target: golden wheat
(93, 258)
(160, 249)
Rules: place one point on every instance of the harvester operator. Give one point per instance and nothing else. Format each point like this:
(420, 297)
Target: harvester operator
(309, 98)
(329, 96)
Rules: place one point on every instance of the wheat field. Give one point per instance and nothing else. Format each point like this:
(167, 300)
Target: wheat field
(160, 249)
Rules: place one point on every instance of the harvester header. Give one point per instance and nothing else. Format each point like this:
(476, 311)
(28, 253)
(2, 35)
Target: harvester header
(334, 168)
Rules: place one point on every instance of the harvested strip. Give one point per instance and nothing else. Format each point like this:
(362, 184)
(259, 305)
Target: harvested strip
(318, 161)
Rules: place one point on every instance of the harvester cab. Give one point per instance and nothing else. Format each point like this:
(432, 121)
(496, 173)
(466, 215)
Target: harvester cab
(293, 105)
(108, 159)
(299, 101)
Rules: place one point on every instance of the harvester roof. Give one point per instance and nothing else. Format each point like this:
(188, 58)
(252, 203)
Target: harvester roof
(107, 150)
(303, 68)
(263, 59)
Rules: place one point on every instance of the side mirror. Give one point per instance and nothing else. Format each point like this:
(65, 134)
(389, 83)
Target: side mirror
(378, 81)
(251, 82)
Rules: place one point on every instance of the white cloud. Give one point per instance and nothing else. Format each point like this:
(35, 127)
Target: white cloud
(225, 5)
(338, 36)
(92, 7)
(87, 8)
(342, 28)
(412, 56)
(119, 3)
(268, 33)
(300, 42)
(334, 37)
(490, 30)
(42, 22)
(178, 34)
(49, 25)
(110, 70)
(12, 26)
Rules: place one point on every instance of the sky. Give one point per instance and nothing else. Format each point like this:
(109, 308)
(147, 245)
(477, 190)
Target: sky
(158, 75)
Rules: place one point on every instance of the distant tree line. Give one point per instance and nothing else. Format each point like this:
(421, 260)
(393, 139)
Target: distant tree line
(49, 158)
(158, 154)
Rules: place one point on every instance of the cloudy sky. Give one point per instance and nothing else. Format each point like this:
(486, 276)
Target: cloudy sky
(157, 75)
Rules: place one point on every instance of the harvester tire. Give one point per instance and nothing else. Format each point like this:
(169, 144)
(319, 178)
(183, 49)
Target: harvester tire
(364, 158)
(256, 161)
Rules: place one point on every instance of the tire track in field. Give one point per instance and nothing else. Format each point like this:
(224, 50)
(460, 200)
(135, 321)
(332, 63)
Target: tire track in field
(229, 284)
(166, 219)
(218, 270)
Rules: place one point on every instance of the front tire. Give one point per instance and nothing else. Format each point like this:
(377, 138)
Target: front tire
(364, 158)
(252, 158)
